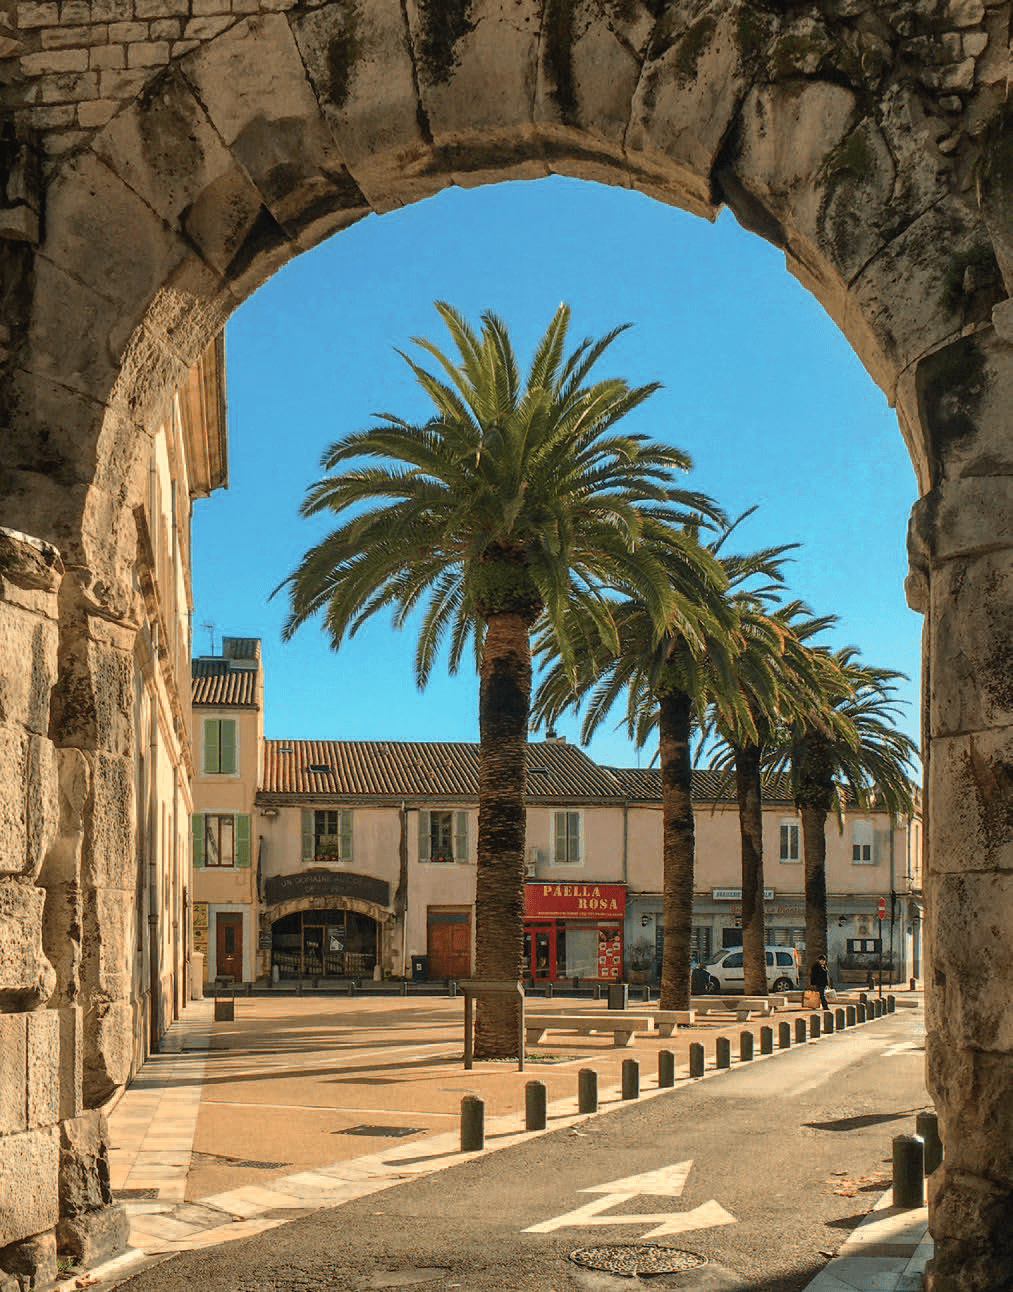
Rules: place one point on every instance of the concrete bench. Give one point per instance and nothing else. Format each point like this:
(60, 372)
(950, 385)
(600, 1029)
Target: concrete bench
(623, 1026)
(667, 1020)
(725, 1015)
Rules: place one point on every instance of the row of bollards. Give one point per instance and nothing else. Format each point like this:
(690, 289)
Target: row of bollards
(473, 1108)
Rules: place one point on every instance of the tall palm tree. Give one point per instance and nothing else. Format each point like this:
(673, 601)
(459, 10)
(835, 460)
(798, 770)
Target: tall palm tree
(514, 501)
(850, 742)
(669, 683)
(777, 677)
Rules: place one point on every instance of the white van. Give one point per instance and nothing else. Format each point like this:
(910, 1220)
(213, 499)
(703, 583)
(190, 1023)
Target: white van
(784, 970)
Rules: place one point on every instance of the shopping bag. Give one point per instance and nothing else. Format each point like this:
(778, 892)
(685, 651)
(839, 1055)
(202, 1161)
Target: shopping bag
(810, 998)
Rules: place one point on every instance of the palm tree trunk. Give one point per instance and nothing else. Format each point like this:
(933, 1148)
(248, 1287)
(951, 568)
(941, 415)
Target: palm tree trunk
(747, 786)
(678, 848)
(504, 701)
(814, 852)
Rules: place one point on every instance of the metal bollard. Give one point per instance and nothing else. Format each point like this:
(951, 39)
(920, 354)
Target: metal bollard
(880, 1007)
(666, 1069)
(723, 1052)
(814, 1026)
(801, 1031)
(828, 1022)
(891, 1004)
(587, 1091)
(927, 1126)
(850, 1017)
(534, 1106)
(631, 1079)
(766, 1040)
(908, 1171)
(860, 1013)
(472, 1124)
(839, 1019)
(696, 1059)
(745, 1047)
(911, 984)
(784, 1036)
(404, 986)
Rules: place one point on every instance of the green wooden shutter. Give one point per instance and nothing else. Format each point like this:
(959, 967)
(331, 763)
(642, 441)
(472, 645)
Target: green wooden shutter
(212, 750)
(228, 747)
(345, 834)
(559, 851)
(243, 839)
(197, 823)
(308, 846)
(424, 837)
(460, 836)
(573, 836)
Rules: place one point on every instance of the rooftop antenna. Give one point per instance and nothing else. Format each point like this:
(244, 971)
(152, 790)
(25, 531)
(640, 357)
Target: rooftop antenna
(211, 632)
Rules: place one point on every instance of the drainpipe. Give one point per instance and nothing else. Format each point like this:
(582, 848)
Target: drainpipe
(893, 901)
(154, 991)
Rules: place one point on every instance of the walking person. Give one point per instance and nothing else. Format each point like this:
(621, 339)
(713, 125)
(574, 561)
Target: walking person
(819, 978)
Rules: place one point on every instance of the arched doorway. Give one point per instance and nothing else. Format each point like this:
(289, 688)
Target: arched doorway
(140, 206)
(324, 944)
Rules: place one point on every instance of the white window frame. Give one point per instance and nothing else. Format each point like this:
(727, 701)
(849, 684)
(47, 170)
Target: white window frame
(460, 835)
(784, 841)
(345, 836)
(241, 840)
(570, 830)
(206, 723)
(863, 843)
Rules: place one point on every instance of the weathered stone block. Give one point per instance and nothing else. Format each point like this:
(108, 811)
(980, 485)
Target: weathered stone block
(27, 978)
(71, 1061)
(148, 53)
(971, 790)
(43, 1068)
(32, 1262)
(95, 1236)
(109, 931)
(964, 1208)
(13, 1074)
(84, 1164)
(29, 1194)
(109, 1045)
(28, 801)
(55, 60)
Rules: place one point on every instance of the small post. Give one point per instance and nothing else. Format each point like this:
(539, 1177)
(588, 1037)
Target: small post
(814, 1026)
(404, 986)
(723, 1052)
(534, 1106)
(451, 988)
(745, 1047)
(587, 1091)
(631, 1079)
(696, 1059)
(927, 1126)
(472, 1124)
(766, 1040)
(839, 1022)
(891, 1004)
(801, 1031)
(911, 984)
(850, 1017)
(860, 1013)
(828, 1022)
(784, 1036)
(666, 1069)
(908, 1171)
(880, 1006)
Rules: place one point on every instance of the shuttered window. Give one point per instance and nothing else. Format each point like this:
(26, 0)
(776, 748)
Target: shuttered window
(221, 839)
(443, 836)
(566, 839)
(327, 835)
(863, 843)
(220, 747)
(789, 849)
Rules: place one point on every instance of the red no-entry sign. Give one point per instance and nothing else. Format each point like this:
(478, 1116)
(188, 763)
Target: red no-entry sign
(882, 908)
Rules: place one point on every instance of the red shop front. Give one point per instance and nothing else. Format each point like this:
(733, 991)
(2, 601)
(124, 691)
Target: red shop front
(574, 931)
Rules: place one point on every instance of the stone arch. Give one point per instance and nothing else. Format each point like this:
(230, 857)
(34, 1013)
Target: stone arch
(159, 163)
(382, 916)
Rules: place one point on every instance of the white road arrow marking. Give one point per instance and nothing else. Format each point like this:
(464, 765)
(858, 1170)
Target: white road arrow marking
(668, 1181)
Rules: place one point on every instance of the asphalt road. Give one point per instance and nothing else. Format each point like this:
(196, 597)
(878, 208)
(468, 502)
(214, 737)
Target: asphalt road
(763, 1170)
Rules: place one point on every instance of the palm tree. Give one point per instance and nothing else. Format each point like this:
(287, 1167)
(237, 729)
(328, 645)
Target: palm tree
(514, 501)
(775, 675)
(848, 743)
(669, 684)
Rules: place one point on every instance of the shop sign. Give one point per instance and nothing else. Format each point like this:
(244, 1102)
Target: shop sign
(200, 928)
(326, 883)
(576, 901)
(735, 894)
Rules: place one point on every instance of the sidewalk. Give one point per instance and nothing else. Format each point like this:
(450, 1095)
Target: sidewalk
(301, 1104)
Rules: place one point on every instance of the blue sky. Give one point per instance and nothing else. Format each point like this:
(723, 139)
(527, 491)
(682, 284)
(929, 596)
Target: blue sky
(759, 387)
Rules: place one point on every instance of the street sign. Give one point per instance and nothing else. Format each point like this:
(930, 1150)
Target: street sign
(882, 908)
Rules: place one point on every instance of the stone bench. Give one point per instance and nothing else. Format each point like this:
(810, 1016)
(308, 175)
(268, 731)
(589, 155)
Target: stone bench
(667, 1020)
(622, 1025)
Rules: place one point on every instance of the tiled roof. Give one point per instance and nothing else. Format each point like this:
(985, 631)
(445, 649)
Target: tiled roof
(219, 683)
(381, 769)
(643, 785)
(241, 647)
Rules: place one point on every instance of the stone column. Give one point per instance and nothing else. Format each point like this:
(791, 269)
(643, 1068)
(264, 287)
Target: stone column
(961, 543)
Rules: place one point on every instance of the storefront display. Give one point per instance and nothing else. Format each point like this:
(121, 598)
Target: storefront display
(574, 931)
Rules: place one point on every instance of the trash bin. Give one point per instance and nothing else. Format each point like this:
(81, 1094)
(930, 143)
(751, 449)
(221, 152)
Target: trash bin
(420, 969)
(619, 995)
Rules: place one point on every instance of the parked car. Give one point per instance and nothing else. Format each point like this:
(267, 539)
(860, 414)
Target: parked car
(784, 970)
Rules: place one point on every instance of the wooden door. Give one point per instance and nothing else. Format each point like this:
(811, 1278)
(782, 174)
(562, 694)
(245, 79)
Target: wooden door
(448, 945)
(230, 947)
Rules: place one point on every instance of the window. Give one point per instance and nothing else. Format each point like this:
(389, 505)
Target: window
(220, 747)
(863, 843)
(790, 841)
(327, 835)
(221, 839)
(566, 839)
(443, 836)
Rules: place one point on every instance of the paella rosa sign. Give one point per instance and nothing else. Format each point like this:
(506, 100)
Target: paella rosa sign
(590, 900)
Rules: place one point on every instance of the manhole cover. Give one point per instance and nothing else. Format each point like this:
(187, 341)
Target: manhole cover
(392, 1131)
(629, 1259)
